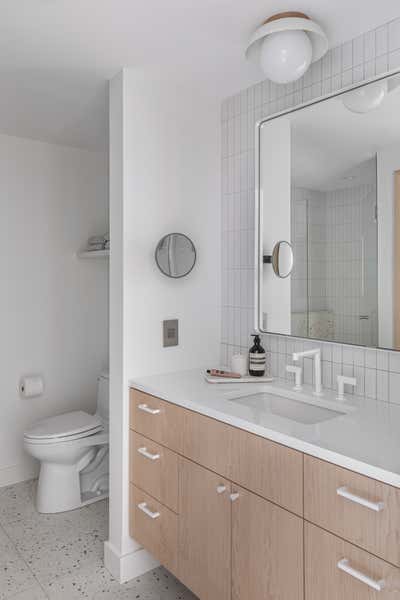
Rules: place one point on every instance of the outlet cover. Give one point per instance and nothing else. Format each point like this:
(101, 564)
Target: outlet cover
(170, 333)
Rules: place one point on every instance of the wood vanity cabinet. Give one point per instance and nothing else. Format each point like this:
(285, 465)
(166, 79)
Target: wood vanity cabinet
(237, 517)
(267, 550)
(204, 532)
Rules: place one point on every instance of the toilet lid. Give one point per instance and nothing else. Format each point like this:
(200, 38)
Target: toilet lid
(62, 426)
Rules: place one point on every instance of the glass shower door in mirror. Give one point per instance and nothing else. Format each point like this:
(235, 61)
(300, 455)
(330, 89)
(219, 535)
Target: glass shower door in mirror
(334, 281)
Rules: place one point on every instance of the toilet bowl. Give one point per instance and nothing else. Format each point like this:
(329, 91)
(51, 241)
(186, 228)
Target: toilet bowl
(73, 452)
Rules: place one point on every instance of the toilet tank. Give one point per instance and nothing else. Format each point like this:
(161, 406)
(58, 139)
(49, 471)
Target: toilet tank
(103, 397)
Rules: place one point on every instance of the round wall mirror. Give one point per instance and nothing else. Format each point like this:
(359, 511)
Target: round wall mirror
(175, 255)
(282, 259)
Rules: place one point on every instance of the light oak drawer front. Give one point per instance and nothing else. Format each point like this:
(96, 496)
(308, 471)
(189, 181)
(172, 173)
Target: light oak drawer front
(357, 508)
(155, 527)
(154, 469)
(158, 420)
(271, 470)
(337, 570)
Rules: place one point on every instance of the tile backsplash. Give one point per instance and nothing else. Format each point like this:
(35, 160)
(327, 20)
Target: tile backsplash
(377, 371)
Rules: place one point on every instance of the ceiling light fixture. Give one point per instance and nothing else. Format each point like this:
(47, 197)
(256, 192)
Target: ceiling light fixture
(285, 46)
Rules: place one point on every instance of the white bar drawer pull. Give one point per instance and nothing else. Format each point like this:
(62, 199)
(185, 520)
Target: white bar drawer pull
(144, 452)
(221, 489)
(143, 507)
(234, 497)
(151, 411)
(344, 566)
(344, 492)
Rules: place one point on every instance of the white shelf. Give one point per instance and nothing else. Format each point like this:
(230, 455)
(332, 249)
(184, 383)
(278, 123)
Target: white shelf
(93, 254)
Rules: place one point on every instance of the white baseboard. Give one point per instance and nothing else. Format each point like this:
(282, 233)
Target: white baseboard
(127, 566)
(17, 473)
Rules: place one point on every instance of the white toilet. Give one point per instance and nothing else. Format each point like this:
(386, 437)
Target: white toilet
(73, 453)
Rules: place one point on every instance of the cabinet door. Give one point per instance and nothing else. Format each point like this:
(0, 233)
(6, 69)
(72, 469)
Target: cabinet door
(267, 550)
(204, 532)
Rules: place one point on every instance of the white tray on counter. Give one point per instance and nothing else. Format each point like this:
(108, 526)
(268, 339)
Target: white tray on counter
(244, 379)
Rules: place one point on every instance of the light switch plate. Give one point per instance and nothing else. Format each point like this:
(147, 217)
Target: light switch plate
(170, 333)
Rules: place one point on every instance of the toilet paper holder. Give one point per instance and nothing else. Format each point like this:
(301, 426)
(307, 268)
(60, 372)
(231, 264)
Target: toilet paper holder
(31, 386)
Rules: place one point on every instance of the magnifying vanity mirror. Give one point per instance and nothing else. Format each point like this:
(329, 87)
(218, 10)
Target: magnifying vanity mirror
(281, 259)
(175, 255)
(328, 206)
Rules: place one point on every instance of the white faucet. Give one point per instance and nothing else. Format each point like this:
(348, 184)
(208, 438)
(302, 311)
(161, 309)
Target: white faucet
(298, 376)
(316, 354)
(342, 380)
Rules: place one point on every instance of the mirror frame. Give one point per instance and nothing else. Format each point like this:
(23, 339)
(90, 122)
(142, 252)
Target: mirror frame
(156, 255)
(258, 316)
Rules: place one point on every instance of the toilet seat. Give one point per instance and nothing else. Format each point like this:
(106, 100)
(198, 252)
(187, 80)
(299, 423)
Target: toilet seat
(62, 428)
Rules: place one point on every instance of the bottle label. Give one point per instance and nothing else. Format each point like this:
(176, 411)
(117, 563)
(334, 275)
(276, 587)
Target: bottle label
(257, 361)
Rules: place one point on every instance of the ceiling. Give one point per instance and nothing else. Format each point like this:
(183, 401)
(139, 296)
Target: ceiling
(56, 56)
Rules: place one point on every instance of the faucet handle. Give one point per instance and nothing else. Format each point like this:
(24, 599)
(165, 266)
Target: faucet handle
(343, 380)
(298, 371)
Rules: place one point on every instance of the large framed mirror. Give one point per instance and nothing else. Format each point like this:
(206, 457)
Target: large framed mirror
(328, 184)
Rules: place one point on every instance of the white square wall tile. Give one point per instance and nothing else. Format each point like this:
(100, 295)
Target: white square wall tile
(359, 374)
(327, 66)
(370, 358)
(394, 388)
(381, 64)
(337, 353)
(382, 360)
(394, 35)
(394, 60)
(336, 60)
(394, 362)
(370, 383)
(359, 357)
(382, 386)
(348, 355)
(381, 40)
(358, 50)
(369, 46)
(347, 56)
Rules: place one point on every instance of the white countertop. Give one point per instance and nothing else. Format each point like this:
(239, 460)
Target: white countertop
(365, 440)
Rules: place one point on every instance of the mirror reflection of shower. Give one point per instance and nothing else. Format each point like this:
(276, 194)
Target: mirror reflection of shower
(334, 281)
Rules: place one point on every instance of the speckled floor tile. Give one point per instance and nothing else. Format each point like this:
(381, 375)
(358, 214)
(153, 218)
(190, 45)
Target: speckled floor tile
(60, 559)
(15, 576)
(158, 584)
(82, 585)
(33, 593)
(17, 502)
(34, 534)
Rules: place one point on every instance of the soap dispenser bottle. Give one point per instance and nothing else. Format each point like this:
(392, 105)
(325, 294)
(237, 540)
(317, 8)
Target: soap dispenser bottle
(257, 358)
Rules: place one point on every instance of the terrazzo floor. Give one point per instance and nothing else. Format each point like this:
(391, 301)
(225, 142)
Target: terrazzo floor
(60, 557)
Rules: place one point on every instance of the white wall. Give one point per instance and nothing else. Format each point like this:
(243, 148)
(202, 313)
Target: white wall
(53, 307)
(275, 188)
(388, 161)
(164, 177)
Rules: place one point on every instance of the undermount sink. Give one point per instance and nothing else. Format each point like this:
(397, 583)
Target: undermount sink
(299, 410)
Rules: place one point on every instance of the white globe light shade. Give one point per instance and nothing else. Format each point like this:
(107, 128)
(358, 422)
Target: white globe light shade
(366, 98)
(285, 56)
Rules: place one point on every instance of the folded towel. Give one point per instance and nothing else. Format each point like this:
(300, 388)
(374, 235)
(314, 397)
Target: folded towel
(94, 247)
(94, 240)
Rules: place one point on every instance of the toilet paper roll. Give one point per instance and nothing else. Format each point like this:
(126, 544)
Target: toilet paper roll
(31, 386)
